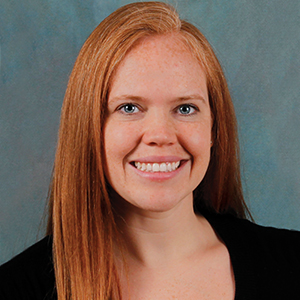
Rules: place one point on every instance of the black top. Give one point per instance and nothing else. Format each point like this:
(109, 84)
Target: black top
(265, 260)
(29, 275)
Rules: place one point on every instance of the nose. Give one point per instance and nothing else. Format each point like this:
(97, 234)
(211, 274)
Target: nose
(159, 130)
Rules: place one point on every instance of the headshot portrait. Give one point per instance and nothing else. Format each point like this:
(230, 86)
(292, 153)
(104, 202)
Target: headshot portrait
(149, 150)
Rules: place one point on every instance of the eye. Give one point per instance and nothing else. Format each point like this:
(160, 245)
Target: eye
(128, 108)
(187, 109)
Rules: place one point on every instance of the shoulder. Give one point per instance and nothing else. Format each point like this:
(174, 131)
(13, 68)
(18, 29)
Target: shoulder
(259, 240)
(266, 260)
(249, 232)
(29, 275)
(232, 226)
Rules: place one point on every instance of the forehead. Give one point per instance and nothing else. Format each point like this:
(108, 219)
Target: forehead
(160, 53)
(162, 66)
(172, 42)
(167, 47)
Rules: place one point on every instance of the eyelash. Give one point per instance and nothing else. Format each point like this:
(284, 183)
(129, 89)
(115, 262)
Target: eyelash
(190, 106)
(194, 107)
(122, 107)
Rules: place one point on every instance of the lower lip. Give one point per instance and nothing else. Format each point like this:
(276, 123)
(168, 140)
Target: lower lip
(159, 176)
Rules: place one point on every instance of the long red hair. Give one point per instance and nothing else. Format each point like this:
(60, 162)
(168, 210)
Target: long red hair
(80, 214)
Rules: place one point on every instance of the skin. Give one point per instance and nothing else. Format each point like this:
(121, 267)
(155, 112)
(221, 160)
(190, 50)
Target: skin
(159, 112)
(155, 77)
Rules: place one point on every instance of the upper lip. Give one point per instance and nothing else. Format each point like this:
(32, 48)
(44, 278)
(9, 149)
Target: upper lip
(159, 159)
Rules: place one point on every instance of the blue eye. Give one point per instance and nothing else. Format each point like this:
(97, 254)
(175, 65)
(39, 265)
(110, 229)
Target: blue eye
(129, 108)
(186, 109)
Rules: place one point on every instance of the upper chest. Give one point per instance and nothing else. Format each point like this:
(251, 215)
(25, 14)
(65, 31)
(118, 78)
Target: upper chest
(209, 277)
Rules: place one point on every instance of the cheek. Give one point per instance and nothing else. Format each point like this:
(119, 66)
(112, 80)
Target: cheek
(119, 140)
(196, 139)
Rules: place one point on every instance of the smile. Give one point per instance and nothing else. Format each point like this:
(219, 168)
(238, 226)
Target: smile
(157, 167)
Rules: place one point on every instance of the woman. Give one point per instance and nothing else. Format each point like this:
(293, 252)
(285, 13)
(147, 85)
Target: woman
(146, 199)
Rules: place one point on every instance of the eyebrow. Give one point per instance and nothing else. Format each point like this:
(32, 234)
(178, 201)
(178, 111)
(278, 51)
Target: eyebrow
(177, 99)
(127, 97)
(192, 97)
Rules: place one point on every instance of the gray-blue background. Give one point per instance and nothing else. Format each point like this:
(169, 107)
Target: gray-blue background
(258, 44)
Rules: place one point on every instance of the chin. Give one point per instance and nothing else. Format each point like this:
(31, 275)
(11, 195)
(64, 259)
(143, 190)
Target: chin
(160, 202)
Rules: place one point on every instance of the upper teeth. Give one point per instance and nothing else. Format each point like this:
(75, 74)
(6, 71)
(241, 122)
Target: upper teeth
(156, 167)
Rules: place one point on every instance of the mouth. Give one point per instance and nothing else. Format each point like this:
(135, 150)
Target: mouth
(156, 167)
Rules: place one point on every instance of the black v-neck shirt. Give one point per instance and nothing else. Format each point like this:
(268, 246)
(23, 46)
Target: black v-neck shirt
(265, 260)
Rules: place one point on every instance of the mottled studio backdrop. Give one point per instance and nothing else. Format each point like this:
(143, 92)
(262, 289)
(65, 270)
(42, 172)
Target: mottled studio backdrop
(258, 44)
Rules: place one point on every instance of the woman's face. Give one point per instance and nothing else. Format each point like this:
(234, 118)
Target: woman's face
(158, 131)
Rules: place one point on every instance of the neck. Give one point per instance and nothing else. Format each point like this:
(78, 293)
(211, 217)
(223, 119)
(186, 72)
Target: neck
(157, 239)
